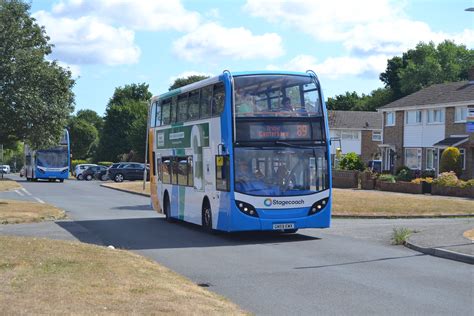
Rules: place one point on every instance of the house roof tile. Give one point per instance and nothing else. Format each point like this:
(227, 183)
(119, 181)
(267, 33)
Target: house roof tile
(355, 119)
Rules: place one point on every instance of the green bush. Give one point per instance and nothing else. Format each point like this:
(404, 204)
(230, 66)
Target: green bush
(451, 161)
(404, 175)
(351, 161)
(401, 168)
(105, 163)
(387, 178)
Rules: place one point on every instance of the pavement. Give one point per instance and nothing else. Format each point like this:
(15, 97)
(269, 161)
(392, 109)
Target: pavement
(350, 268)
(445, 242)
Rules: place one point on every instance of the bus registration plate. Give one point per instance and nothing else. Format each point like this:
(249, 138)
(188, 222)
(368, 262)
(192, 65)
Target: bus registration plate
(284, 226)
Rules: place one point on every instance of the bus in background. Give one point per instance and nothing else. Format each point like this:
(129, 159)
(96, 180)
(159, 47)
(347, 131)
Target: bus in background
(49, 164)
(242, 151)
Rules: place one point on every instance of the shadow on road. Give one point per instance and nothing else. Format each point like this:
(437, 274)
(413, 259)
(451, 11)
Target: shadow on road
(157, 233)
(145, 207)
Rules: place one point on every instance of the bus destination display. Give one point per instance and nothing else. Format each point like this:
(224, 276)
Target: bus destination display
(280, 131)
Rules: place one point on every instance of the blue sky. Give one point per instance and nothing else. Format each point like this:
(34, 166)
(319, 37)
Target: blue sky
(111, 43)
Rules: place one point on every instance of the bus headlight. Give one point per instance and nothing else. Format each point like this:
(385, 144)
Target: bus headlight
(246, 208)
(318, 206)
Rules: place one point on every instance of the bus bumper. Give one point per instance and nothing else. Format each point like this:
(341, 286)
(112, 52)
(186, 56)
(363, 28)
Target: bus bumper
(268, 218)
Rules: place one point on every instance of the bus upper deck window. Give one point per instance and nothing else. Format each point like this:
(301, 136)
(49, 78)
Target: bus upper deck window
(158, 114)
(182, 108)
(206, 98)
(218, 99)
(173, 110)
(166, 115)
(193, 105)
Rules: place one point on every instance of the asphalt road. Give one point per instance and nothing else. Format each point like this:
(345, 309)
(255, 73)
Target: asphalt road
(350, 268)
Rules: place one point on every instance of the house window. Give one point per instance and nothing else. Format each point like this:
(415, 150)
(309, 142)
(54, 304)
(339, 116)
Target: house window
(350, 135)
(460, 114)
(430, 157)
(390, 119)
(376, 136)
(413, 158)
(413, 117)
(435, 116)
(463, 158)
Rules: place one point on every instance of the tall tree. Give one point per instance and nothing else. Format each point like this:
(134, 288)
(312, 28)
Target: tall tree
(36, 95)
(126, 111)
(344, 102)
(425, 65)
(181, 82)
(82, 135)
(91, 117)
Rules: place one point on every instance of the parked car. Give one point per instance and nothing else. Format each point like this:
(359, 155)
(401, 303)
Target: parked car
(102, 174)
(80, 169)
(4, 168)
(126, 171)
(90, 172)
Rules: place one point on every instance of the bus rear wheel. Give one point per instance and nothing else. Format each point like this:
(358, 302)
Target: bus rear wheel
(167, 209)
(207, 217)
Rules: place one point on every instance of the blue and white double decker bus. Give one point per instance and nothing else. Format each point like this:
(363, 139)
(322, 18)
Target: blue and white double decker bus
(49, 164)
(242, 151)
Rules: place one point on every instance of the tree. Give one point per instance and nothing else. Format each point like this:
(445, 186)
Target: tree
(125, 115)
(425, 65)
(82, 136)
(344, 102)
(36, 95)
(91, 117)
(181, 82)
(138, 92)
(451, 161)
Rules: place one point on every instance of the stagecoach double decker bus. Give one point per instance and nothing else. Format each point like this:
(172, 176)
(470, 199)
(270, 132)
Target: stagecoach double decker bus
(48, 164)
(242, 151)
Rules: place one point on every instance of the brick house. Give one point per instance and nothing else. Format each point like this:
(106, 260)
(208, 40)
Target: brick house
(356, 131)
(418, 127)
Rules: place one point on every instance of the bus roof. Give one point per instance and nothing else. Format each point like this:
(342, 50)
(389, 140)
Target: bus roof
(215, 79)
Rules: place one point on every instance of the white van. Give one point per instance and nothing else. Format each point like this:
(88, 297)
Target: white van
(80, 169)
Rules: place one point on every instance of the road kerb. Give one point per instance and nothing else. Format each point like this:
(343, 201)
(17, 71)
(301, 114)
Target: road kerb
(442, 253)
(123, 190)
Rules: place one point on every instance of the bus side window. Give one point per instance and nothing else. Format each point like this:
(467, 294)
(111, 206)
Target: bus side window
(154, 163)
(190, 171)
(182, 108)
(173, 110)
(174, 170)
(182, 170)
(193, 108)
(158, 114)
(166, 169)
(218, 99)
(222, 173)
(166, 115)
(206, 97)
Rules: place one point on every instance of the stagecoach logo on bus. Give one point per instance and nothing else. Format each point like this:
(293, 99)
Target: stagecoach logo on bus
(269, 202)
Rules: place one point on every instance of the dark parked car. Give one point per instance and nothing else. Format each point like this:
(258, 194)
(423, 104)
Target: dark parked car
(90, 172)
(127, 171)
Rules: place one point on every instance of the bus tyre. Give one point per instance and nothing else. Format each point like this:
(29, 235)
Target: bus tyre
(167, 209)
(207, 218)
(118, 177)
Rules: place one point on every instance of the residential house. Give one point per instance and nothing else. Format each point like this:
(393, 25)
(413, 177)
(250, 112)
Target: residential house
(418, 127)
(356, 131)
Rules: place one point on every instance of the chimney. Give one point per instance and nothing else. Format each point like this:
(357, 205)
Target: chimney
(470, 75)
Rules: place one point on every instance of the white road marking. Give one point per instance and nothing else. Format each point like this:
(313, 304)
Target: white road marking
(19, 193)
(26, 192)
(39, 200)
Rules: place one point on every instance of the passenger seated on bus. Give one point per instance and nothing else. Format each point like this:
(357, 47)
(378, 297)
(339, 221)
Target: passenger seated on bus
(245, 179)
(286, 105)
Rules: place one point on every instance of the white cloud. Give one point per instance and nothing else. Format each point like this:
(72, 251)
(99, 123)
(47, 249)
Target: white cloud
(336, 67)
(363, 27)
(87, 40)
(212, 41)
(138, 15)
(74, 69)
(186, 74)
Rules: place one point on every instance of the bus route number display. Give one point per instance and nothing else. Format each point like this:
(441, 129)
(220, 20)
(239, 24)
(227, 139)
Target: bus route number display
(282, 131)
